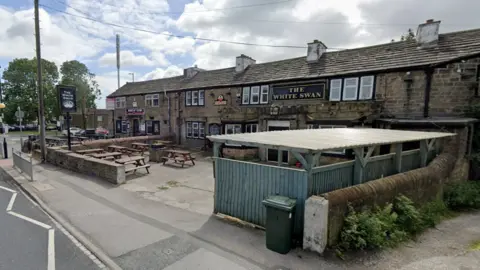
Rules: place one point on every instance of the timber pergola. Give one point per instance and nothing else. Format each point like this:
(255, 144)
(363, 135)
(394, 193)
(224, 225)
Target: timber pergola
(307, 145)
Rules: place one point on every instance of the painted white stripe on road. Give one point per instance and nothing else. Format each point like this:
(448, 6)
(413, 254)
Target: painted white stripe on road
(43, 225)
(7, 189)
(10, 203)
(51, 250)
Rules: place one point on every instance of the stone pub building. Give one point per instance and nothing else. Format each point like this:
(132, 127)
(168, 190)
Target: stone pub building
(428, 81)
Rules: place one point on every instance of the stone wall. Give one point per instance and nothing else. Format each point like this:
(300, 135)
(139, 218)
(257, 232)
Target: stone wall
(126, 141)
(420, 185)
(110, 171)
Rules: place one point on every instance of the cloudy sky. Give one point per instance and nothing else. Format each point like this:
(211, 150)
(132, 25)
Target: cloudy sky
(161, 37)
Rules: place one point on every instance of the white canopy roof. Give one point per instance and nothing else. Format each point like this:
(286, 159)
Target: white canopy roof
(318, 140)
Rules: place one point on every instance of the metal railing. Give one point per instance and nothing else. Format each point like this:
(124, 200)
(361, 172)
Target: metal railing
(23, 163)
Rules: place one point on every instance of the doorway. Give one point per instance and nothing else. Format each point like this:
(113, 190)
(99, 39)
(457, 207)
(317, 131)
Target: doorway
(272, 154)
(136, 127)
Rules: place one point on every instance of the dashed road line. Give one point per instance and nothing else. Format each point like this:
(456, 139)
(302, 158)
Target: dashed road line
(10, 203)
(69, 235)
(51, 250)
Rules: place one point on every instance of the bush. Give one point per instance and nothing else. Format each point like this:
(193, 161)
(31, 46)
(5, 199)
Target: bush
(463, 195)
(371, 229)
(409, 218)
(432, 213)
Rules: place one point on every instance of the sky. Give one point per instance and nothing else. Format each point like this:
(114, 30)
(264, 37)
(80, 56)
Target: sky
(159, 38)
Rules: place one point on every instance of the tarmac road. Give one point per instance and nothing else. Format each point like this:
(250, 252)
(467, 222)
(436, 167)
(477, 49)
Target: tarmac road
(30, 240)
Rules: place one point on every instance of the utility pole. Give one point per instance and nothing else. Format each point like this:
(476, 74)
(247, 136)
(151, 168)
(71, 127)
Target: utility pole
(41, 109)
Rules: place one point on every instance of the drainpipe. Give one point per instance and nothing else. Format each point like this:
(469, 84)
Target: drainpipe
(428, 88)
(169, 113)
(179, 121)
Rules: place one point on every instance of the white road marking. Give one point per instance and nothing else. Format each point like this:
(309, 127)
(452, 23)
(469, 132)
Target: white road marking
(10, 203)
(51, 250)
(38, 223)
(7, 189)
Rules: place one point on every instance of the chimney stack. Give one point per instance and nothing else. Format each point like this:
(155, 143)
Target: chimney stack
(427, 33)
(242, 62)
(190, 72)
(315, 50)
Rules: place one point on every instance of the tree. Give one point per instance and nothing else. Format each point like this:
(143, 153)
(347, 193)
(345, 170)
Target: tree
(409, 36)
(77, 74)
(19, 87)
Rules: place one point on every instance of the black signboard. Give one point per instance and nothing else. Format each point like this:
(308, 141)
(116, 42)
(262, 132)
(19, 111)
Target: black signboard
(67, 98)
(134, 111)
(310, 91)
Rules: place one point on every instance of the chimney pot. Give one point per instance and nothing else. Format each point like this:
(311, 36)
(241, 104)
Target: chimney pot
(429, 21)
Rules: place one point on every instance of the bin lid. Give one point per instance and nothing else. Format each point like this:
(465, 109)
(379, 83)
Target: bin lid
(280, 202)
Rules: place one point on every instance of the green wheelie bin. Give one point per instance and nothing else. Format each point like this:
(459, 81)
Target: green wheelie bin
(280, 221)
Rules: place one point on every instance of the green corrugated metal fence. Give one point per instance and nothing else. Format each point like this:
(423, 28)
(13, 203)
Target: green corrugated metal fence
(240, 188)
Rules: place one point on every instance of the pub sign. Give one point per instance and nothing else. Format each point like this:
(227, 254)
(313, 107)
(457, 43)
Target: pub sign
(135, 111)
(67, 98)
(307, 91)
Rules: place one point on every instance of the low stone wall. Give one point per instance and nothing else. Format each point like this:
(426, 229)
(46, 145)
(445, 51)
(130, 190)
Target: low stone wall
(110, 171)
(420, 185)
(127, 142)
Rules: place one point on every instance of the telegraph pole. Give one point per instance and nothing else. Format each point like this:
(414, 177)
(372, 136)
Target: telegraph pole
(41, 109)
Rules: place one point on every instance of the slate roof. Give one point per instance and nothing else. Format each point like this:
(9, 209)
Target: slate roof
(387, 56)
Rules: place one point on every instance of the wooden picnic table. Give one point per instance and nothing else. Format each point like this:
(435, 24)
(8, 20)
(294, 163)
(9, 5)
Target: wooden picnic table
(90, 151)
(178, 156)
(138, 161)
(141, 146)
(116, 148)
(81, 138)
(110, 155)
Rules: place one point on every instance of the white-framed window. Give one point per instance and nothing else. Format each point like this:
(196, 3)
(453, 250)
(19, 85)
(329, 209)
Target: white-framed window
(264, 94)
(246, 95)
(336, 90)
(201, 129)
(120, 102)
(189, 130)
(194, 98)
(233, 128)
(195, 130)
(152, 100)
(366, 87)
(201, 97)
(255, 95)
(350, 88)
(188, 98)
(251, 128)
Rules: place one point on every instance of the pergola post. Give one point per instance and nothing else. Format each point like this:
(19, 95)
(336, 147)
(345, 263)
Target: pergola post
(361, 160)
(397, 160)
(279, 157)
(216, 149)
(423, 153)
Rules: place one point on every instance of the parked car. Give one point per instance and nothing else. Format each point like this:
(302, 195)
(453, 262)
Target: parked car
(74, 131)
(101, 131)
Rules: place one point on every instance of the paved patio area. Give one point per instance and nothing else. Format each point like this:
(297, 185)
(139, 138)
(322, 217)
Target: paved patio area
(190, 188)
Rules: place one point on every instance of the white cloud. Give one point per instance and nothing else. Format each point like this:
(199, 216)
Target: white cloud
(159, 73)
(128, 59)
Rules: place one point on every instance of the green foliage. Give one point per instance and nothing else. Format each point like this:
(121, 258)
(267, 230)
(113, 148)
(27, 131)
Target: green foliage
(371, 229)
(390, 225)
(409, 36)
(19, 88)
(432, 213)
(463, 195)
(409, 218)
(77, 74)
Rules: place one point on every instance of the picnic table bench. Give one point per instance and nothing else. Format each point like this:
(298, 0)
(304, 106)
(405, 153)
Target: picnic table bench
(116, 148)
(90, 151)
(140, 146)
(138, 161)
(178, 156)
(110, 155)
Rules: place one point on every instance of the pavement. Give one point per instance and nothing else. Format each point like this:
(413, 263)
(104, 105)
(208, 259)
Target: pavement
(29, 239)
(163, 221)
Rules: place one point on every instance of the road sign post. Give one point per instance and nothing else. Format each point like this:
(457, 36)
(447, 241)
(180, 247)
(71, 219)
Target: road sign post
(20, 115)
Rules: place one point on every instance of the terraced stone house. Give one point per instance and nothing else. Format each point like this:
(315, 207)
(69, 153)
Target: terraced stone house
(431, 78)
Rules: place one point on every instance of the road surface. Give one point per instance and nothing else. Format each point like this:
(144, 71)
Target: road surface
(29, 239)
